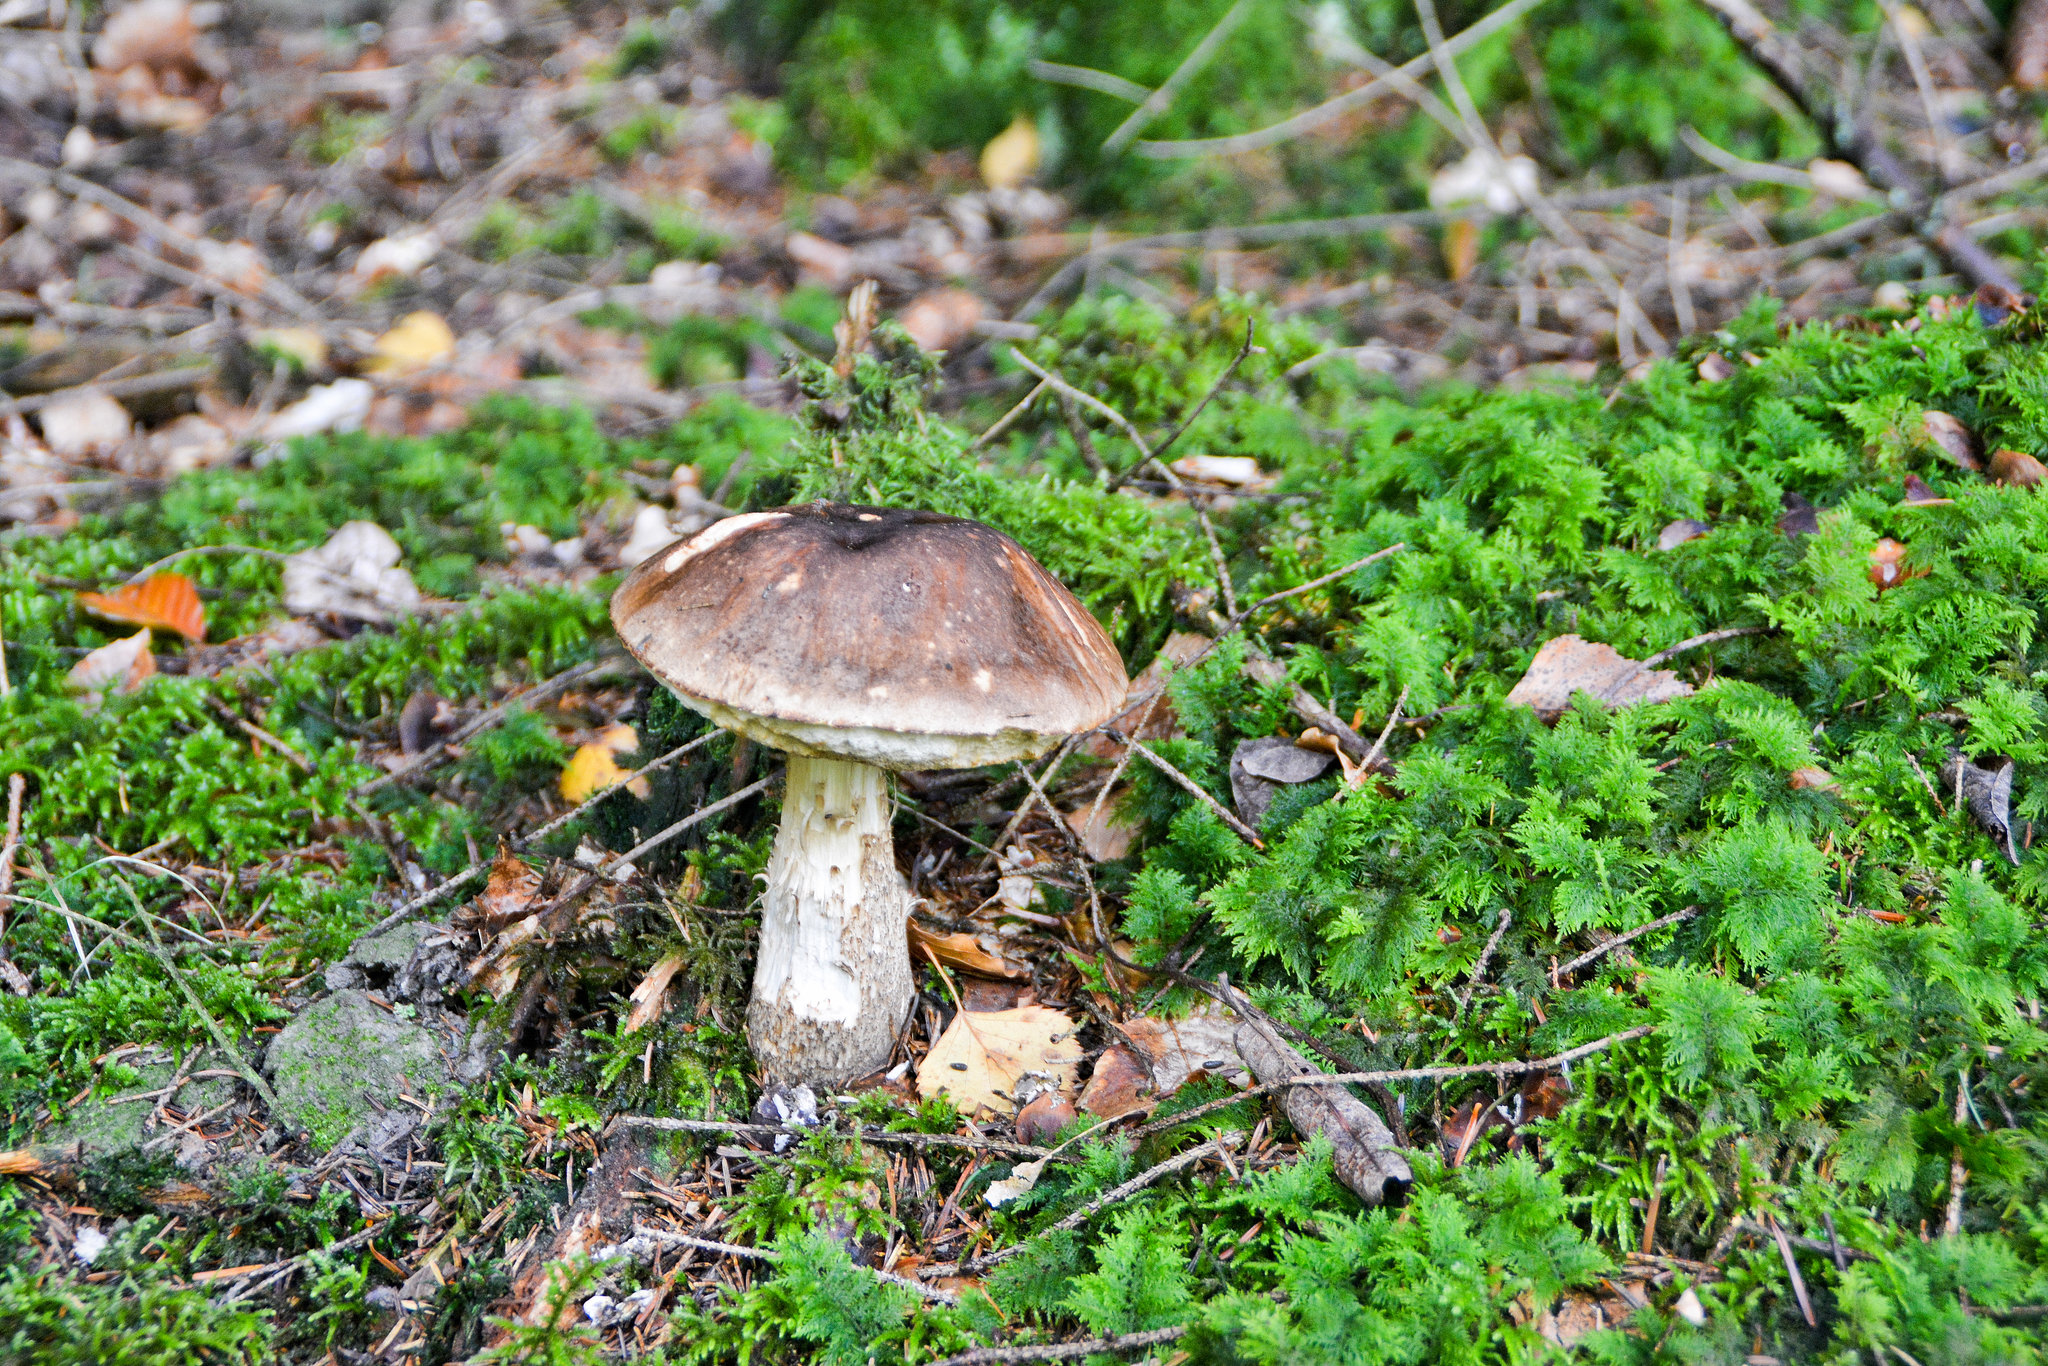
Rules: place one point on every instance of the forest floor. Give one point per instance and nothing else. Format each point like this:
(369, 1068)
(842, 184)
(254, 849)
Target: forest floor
(1586, 694)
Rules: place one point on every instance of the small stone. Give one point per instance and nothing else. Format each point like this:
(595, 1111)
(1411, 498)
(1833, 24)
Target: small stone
(340, 1054)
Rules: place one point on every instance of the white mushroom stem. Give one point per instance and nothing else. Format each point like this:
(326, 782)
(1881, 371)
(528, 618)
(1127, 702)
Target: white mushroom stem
(832, 986)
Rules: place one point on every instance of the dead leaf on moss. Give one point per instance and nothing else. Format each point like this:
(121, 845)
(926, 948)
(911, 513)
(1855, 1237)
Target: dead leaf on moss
(511, 888)
(419, 340)
(1011, 156)
(496, 970)
(1202, 1043)
(355, 574)
(1677, 533)
(2017, 468)
(1987, 794)
(652, 994)
(1121, 1083)
(1801, 517)
(167, 602)
(592, 768)
(1918, 495)
(118, 666)
(982, 1056)
(967, 952)
(1569, 665)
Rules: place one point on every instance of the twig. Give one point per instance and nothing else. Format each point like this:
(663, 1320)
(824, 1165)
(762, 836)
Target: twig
(257, 733)
(154, 566)
(1335, 574)
(1710, 638)
(1792, 1270)
(1928, 783)
(596, 875)
(467, 875)
(1492, 1069)
(163, 381)
(1243, 351)
(1340, 105)
(272, 1271)
(1060, 386)
(1178, 1162)
(1002, 424)
(1157, 101)
(905, 1139)
(1485, 957)
(1193, 788)
(1958, 1174)
(1916, 63)
(1088, 78)
(1611, 945)
(1062, 1351)
(1674, 267)
(1379, 746)
(1016, 821)
(641, 1247)
(1757, 172)
(17, 783)
(539, 692)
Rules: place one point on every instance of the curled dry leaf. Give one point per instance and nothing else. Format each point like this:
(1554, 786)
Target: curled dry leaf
(967, 952)
(1023, 1178)
(1677, 533)
(1951, 438)
(118, 666)
(1569, 665)
(1259, 768)
(983, 1055)
(167, 602)
(593, 767)
(510, 889)
(1801, 518)
(496, 970)
(1714, 368)
(1121, 1083)
(2017, 468)
(652, 993)
(1043, 1116)
(1918, 495)
(1987, 794)
(1202, 1043)
(1816, 778)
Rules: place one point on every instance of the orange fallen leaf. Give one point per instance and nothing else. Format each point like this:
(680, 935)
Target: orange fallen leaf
(1888, 565)
(652, 994)
(511, 889)
(592, 769)
(167, 602)
(965, 951)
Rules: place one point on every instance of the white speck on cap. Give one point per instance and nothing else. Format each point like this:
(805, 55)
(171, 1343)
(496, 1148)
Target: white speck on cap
(718, 533)
(984, 680)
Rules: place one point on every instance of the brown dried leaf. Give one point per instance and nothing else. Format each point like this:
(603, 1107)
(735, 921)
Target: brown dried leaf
(982, 1056)
(1121, 1083)
(510, 890)
(1950, 437)
(1714, 368)
(120, 665)
(967, 952)
(649, 997)
(1679, 532)
(1801, 517)
(1569, 665)
(2017, 468)
(1202, 1043)
(1918, 495)
(1817, 778)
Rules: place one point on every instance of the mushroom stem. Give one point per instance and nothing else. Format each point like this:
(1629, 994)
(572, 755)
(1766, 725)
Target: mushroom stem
(832, 986)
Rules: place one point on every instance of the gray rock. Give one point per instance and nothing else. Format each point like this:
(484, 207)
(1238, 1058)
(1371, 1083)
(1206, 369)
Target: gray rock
(340, 1055)
(1259, 767)
(375, 964)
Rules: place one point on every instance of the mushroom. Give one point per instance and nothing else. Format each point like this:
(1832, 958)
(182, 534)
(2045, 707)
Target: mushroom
(859, 640)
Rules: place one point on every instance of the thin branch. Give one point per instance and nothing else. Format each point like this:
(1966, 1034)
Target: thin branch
(1214, 389)
(1060, 386)
(1088, 78)
(908, 1139)
(1674, 267)
(1339, 106)
(1756, 172)
(1709, 638)
(1064, 1351)
(1478, 1069)
(1156, 103)
(1485, 956)
(1335, 574)
(162, 381)
(1195, 789)
(16, 785)
(1379, 746)
(1002, 424)
(1602, 950)
(641, 1246)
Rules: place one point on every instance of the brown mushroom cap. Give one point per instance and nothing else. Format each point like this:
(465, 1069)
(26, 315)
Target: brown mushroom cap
(903, 639)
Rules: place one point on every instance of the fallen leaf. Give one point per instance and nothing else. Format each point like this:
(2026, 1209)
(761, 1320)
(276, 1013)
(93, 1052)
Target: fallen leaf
(510, 889)
(355, 574)
(1714, 368)
(1838, 178)
(1482, 177)
(1918, 495)
(1987, 793)
(1817, 778)
(650, 995)
(983, 1055)
(423, 720)
(419, 340)
(1121, 1083)
(1241, 471)
(302, 344)
(1995, 303)
(167, 602)
(965, 951)
(942, 318)
(1043, 1116)
(819, 261)
(1951, 438)
(495, 970)
(343, 406)
(86, 423)
(1011, 156)
(2017, 468)
(119, 665)
(1202, 1043)
(1888, 565)
(404, 255)
(593, 767)
(1801, 518)
(1104, 836)
(1679, 532)
(1259, 768)
(1568, 665)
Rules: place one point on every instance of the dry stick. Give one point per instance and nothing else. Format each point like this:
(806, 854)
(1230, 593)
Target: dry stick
(1560, 973)
(1157, 101)
(908, 1140)
(1088, 78)
(1178, 1162)
(1855, 140)
(1338, 106)
(1674, 266)
(645, 1240)
(1494, 1069)
(1485, 957)
(1060, 386)
(1379, 746)
(1002, 424)
(1062, 1351)
(278, 555)
(1335, 574)
(1916, 63)
(16, 784)
(257, 733)
(1214, 389)
(652, 842)
(539, 692)
(163, 381)
(1710, 638)
(1194, 789)
(1016, 821)
(428, 898)
(1792, 1270)
(1958, 1174)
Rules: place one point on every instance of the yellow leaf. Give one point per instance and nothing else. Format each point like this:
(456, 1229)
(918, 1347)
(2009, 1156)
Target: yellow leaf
(420, 339)
(301, 344)
(592, 769)
(984, 1053)
(1011, 155)
(1461, 247)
